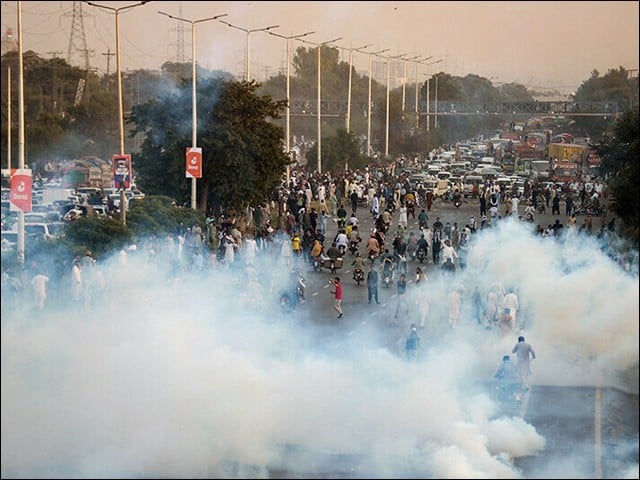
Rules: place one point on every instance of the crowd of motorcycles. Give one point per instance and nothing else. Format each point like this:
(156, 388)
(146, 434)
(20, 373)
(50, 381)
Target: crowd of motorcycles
(392, 264)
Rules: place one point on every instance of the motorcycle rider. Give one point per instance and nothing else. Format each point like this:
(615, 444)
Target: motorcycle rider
(333, 253)
(421, 248)
(341, 241)
(373, 246)
(412, 245)
(387, 269)
(354, 239)
(358, 267)
(423, 218)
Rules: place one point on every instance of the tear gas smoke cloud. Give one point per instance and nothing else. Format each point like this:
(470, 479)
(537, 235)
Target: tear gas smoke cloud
(195, 378)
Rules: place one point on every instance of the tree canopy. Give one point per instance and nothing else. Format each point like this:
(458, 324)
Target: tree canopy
(242, 149)
(620, 154)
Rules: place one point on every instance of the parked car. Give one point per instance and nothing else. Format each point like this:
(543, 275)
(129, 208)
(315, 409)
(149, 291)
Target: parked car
(45, 231)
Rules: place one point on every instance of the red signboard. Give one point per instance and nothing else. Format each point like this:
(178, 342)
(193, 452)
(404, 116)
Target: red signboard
(194, 162)
(20, 197)
(121, 166)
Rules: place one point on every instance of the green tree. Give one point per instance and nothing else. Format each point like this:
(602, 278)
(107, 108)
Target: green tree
(338, 151)
(620, 154)
(243, 154)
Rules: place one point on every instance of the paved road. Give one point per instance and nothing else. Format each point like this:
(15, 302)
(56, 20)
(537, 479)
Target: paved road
(590, 430)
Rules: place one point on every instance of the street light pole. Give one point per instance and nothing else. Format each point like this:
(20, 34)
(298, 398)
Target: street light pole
(116, 11)
(417, 98)
(404, 78)
(288, 133)
(194, 108)
(428, 94)
(346, 164)
(319, 115)
(249, 32)
(21, 242)
(386, 135)
(369, 104)
(435, 123)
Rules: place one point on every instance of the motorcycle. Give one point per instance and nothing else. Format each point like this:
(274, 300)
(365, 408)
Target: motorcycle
(358, 275)
(353, 246)
(288, 302)
(510, 395)
(387, 275)
(316, 263)
(299, 285)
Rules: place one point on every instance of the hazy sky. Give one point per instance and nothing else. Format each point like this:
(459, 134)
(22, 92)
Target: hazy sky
(544, 44)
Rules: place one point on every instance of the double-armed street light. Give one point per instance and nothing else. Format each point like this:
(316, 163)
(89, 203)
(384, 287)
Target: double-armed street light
(194, 109)
(417, 62)
(369, 104)
(386, 134)
(319, 115)
(404, 78)
(116, 11)
(429, 96)
(288, 134)
(249, 32)
(348, 121)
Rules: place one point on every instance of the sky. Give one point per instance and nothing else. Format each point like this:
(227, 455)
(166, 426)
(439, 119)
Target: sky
(204, 377)
(539, 44)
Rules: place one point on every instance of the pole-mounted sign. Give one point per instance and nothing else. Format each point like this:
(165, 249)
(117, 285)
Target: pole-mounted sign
(20, 196)
(121, 165)
(194, 162)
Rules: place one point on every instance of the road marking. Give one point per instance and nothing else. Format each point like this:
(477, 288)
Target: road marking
(525, 403)
(598, 433)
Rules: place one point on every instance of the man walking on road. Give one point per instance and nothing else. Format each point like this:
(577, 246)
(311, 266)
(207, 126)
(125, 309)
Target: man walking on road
(402, 294)
(524, 354)
(372, 284)
(337, 295)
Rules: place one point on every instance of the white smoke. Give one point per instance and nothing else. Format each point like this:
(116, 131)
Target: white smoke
(205, 377)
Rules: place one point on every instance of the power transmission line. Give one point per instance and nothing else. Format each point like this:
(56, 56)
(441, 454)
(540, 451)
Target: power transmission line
(77, 37)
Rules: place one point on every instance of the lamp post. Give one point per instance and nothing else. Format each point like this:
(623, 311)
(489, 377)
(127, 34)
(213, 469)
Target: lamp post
(428, 94)
(346, 164)
(116, 11)
(249, 32)
(435, 123)
(369, 104)
(416, 106)
(194, 109)
(319, 116)
(404, 78)
(288, 134)
(21, 244)
(386, 135)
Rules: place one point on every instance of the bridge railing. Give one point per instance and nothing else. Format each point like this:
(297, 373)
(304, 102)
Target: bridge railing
(331, 107)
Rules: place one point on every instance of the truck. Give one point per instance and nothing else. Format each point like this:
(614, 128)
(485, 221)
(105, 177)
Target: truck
(566, 171)
(566, 151)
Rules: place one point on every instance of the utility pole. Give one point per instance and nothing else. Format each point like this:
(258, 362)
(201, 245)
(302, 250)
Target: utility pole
(108, 54)
(77, 37)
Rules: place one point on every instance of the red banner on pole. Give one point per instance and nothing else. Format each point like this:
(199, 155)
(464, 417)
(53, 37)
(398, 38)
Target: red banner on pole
(121, 165)
(194, 162)
(20, 197)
